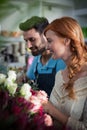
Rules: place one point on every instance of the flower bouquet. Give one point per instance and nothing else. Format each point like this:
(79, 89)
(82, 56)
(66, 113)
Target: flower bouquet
(20, 106)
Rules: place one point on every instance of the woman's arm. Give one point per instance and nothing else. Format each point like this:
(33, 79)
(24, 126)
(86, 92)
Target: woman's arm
(79, 124)
(69, 122)
(55, 113)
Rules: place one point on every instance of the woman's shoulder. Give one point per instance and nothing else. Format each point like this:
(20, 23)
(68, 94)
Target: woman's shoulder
(58, 80)
(59, 74)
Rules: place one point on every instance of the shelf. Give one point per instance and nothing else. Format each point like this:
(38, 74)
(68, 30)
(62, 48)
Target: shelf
(63, 3)
(11, 39)
(81, 12)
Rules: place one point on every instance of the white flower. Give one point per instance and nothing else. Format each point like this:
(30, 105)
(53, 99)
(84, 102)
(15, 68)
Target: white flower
(2, 78)
(12, 75)
(11, 87)
(25, 91)
(8, 82)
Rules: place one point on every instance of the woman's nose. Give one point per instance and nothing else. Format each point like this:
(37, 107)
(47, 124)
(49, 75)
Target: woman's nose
(47, 47)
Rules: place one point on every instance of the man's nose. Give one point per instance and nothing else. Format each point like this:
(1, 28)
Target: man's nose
(29, 44)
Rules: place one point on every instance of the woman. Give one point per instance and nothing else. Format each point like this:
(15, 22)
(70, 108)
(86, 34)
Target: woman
(68, 103)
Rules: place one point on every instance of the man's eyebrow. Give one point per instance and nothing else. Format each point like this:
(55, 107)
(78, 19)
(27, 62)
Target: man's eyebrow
(29, 38)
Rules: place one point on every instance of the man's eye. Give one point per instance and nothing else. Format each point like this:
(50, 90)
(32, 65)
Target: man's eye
(31, 39)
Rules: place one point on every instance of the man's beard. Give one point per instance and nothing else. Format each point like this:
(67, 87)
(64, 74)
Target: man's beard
(38, 50)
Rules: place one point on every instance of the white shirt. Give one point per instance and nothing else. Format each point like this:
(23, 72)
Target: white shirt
(72, 108)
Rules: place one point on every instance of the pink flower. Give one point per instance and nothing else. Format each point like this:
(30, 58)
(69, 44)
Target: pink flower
(36, 104)
(42, 96)
(17, 113)
(33, 92)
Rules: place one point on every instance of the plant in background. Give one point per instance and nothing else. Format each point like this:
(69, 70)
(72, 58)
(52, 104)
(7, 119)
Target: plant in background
(84, 29)
(20, 106)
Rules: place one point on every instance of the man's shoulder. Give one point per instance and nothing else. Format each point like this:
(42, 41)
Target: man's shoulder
(60, 61)
(37, 57)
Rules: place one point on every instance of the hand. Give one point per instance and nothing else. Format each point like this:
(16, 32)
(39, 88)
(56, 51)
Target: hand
(47, 105)
(48, 120)
(42, 96)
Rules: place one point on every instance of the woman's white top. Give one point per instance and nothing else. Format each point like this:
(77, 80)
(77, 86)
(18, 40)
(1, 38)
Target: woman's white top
(75, 109)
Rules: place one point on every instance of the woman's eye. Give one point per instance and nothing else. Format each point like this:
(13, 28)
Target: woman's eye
(49, 40)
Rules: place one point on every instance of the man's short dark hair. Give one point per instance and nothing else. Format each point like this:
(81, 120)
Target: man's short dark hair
(39, 23)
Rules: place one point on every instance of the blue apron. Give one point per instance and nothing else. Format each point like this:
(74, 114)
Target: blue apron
(46, 81)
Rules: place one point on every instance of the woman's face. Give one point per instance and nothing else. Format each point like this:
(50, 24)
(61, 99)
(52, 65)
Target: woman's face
(56, 45)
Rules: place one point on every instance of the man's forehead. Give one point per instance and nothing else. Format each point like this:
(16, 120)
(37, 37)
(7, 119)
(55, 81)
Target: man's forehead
(31, 32)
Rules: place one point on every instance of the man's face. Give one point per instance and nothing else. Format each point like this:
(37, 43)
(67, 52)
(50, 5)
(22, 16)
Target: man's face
(35, 41)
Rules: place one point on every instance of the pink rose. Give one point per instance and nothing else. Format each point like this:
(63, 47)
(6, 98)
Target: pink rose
(42, 96)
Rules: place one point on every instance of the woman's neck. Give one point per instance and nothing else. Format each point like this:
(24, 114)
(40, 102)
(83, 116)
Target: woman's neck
(67, 58)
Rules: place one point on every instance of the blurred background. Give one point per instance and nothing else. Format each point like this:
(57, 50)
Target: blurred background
(13, 53)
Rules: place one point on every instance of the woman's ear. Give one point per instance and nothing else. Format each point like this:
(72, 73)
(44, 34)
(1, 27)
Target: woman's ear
(67, 41)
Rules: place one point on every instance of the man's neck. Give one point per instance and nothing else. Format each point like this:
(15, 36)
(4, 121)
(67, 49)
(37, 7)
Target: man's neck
(45, 57)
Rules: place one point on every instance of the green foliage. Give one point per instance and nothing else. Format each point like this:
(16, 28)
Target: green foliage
(3, 1)
(84, 29)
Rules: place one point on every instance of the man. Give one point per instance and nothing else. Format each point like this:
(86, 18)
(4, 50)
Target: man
(43, 68)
